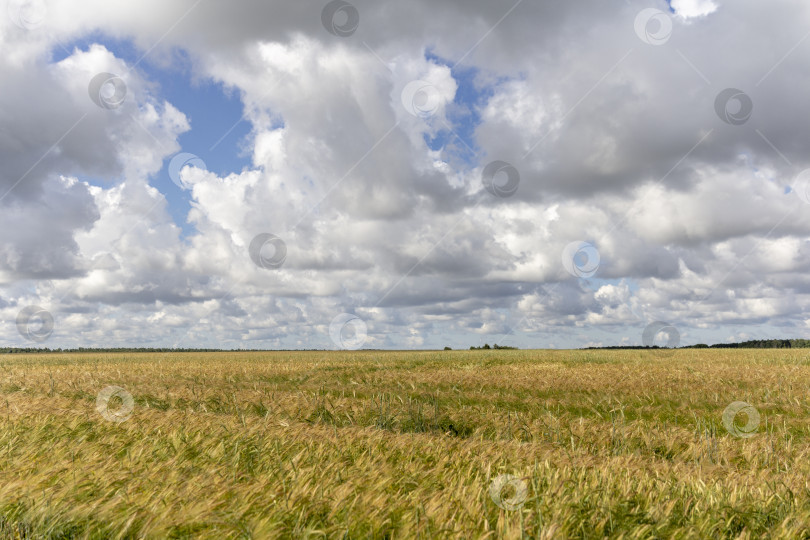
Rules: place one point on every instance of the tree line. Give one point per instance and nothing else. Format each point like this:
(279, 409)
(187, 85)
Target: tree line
(752, 344)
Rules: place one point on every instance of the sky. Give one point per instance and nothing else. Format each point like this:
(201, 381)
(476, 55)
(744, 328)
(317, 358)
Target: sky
(403, 175)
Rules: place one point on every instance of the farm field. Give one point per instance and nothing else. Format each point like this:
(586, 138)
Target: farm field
(454, 444)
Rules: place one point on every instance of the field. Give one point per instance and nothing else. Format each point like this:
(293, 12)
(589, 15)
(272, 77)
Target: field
(620, 444)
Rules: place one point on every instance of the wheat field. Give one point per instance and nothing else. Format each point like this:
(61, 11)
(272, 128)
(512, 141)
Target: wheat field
(453, 444)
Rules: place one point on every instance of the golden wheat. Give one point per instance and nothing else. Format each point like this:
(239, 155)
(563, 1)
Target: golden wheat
(623, 444)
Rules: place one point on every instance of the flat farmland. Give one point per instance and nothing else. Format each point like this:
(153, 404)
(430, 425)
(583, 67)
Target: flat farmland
(455, 444)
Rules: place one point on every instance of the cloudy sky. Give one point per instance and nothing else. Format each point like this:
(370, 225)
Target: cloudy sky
(411, 174)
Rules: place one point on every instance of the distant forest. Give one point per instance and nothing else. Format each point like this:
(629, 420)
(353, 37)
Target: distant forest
(7, 350)
(754, 344)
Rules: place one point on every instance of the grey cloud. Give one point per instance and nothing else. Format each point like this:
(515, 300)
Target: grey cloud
(630, 154)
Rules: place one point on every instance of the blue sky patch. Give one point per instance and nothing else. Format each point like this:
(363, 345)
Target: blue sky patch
(458, 139)
(218, 133)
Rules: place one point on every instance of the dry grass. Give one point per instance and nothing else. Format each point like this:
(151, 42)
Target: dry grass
(621, 444)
